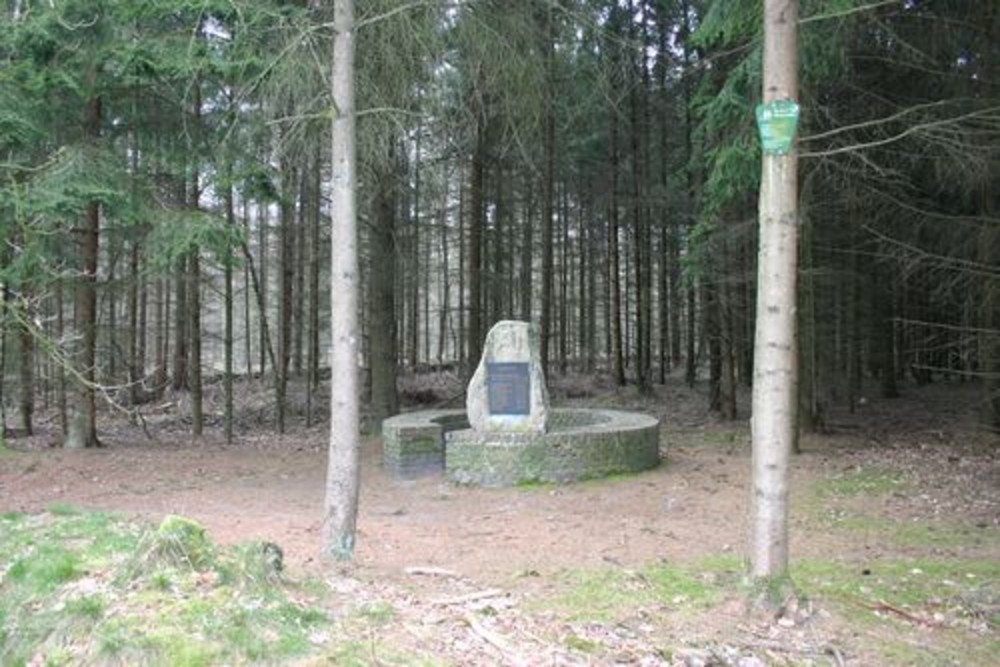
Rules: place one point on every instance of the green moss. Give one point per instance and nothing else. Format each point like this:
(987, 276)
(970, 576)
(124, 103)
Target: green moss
(183, 541)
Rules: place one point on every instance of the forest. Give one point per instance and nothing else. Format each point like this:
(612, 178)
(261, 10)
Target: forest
(171, 199)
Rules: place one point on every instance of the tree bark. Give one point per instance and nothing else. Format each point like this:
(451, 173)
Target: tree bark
(314, 286)
(614, 269)
(775, 368)
(194, 328)
(475, 326)
(227, 335)
(286, 278)
(548, 193)
(342, 481)
(382, 300)
(81, 429)
(26, 380)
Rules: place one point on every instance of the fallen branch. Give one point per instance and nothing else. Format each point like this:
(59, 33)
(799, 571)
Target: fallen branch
(882, 605)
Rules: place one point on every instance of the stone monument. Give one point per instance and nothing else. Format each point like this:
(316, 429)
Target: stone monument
(507, 393)
(509, 435)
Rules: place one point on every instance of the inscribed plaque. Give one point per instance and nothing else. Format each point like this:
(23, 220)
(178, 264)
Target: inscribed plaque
(508, 388)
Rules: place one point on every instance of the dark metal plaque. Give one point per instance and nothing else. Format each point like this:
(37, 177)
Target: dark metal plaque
(508, 388)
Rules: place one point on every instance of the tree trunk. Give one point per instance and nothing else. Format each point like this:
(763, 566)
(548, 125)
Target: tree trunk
(181, 280)
(315, 195)
(194, 368)
(548, 193)
(564, 277)
(445, 305)
(775, 369)
(82, 422)
(527, 256)
(60, 366)
(134, 376)
(260, 285)
(194, 287)
(614, 269)
(26, 379)
(475, 328)
(341, 506)
(298, 316)
(286, 278)
(160, 341)
(382, 301)
(227, 335)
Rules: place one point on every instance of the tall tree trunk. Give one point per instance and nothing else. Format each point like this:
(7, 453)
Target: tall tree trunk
(564, 277)
(286, 279)
(162, 316)
(775, 369)
(315, 210)
(614, 268)
(299, 316)
(419, 270)
(181, 280)
(690, 360)
(227, 335)
(247, 323)
(527, 256)
(140, 353)
(476, 223)
(260, 284)
(445, 306)
(461, 338)
(26, 365)
(194, 328)
(382, 298)
(132, 339)
(194, 288)
(548, 193)
(60, 367)
(82, 422)
(342, 481)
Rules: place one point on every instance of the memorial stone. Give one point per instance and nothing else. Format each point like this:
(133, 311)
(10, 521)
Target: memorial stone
(507, 393)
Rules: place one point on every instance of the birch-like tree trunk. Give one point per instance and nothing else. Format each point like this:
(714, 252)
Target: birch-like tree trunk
(341, 507)
(774, 395)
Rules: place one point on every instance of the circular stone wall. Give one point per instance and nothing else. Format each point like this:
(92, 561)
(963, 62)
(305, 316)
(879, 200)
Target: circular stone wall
(581, 444)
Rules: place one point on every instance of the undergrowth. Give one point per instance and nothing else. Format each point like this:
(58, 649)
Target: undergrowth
(96, 588)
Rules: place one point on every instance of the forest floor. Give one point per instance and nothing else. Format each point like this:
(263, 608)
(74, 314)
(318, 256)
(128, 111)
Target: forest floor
(895, 534)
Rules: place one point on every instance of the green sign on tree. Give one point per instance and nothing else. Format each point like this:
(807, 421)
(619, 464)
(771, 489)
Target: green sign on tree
(777, 123)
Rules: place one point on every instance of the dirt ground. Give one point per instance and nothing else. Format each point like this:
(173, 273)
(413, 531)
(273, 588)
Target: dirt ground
(270, 487)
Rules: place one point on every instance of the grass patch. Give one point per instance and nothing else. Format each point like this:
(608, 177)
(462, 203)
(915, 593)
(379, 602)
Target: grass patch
(377, 613)
(958, 599)
(90, 587)
(903, 583)
(861, 482)
(919, 533)
(582, 644)
(611, 593)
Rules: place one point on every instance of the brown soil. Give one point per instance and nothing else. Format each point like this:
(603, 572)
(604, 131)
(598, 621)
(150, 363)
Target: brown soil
(271, 487)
